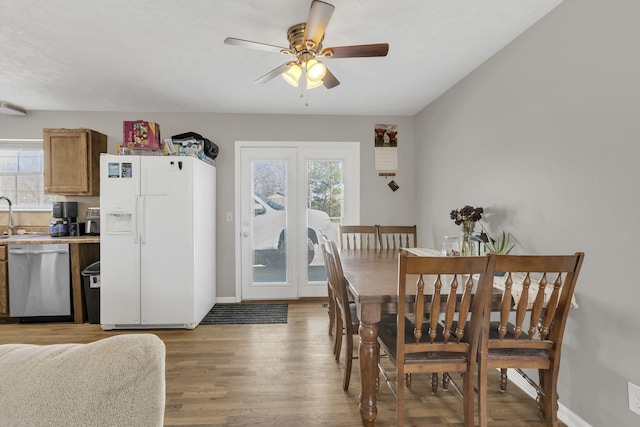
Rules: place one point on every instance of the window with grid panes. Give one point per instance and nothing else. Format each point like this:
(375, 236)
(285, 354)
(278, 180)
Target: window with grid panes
(22, 174)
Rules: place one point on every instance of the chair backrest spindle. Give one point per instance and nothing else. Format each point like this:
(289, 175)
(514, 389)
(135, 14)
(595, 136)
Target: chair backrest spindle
(358, 237)
(397, 236)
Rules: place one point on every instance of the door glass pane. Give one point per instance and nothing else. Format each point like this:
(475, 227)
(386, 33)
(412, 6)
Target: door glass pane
(269, 194)
(325, 209)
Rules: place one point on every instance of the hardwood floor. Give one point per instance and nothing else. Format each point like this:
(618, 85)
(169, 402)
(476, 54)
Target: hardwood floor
(278, 375)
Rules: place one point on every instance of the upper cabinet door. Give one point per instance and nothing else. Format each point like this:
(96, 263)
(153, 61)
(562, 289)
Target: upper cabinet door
(72, 161)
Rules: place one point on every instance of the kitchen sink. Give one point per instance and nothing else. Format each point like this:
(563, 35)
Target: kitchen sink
(21, 236)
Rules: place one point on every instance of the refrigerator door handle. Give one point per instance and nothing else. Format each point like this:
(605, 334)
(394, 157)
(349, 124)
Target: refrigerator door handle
(143, 235)
(135, 219)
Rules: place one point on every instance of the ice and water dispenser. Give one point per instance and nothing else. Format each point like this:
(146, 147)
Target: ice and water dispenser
(118, 221)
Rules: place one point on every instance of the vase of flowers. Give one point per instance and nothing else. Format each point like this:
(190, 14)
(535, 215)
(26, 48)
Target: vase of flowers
(466, 218)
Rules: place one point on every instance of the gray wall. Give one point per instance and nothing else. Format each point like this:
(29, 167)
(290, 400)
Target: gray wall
(378, 204)
(544, 135)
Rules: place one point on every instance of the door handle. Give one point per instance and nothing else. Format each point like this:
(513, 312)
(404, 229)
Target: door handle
(143, 222)
(245, 234)
(37, 252)
(136, 212)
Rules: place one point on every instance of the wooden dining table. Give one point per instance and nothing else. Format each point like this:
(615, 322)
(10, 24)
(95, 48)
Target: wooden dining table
(372, 276)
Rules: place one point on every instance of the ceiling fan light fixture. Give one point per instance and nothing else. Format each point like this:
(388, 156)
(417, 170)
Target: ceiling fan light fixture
(311, 84)
(315, 70)
(292, 75)
(305, 44)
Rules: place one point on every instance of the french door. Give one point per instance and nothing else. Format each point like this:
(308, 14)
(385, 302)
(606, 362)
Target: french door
(289, 194)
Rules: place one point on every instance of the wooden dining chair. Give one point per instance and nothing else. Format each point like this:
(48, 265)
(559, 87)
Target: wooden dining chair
(426, 342)
(358, 237)
(538, 288)
(347, 321)
(331, 293)
(397, 236)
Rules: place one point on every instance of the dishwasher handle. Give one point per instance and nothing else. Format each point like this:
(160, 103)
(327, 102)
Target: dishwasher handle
(37, 252)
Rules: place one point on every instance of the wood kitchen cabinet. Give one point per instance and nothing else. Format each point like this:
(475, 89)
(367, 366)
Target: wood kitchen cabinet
(4, 283)
(72, 161)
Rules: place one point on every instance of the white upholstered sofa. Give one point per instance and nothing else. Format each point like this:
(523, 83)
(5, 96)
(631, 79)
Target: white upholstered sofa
(116, 381)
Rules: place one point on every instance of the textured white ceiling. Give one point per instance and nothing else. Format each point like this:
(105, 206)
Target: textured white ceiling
(169, 55)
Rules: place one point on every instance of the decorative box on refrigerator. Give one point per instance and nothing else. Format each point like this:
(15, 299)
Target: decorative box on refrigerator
(157, 241)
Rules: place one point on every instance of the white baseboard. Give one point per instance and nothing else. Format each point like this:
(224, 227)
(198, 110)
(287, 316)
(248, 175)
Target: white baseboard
(564, 414)
(226, 300)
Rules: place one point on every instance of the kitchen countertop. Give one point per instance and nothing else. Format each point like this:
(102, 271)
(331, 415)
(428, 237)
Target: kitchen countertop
(38, 239)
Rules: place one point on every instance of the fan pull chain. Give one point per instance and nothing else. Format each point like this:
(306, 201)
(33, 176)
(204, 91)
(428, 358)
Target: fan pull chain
(304, 95)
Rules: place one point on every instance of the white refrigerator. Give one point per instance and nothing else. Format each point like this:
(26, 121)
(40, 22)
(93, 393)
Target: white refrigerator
(157, 241)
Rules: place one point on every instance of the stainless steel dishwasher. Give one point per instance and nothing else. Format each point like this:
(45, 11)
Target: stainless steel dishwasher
(39, 282)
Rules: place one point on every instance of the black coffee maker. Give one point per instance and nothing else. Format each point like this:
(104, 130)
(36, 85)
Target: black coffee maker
(64, 222)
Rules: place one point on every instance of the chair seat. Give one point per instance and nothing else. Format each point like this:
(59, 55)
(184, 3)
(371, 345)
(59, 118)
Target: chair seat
(437, 358)
(509, 352)
(388, 333)
(518, 354)
(515, 353)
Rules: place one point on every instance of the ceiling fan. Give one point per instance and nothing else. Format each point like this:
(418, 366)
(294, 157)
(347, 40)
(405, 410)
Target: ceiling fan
(305, 45)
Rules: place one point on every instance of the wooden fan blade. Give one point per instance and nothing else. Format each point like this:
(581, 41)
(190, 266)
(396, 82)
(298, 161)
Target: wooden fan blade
(253, 45)
(273, 73)
(317, 21)
(357, 51)
(329, 80)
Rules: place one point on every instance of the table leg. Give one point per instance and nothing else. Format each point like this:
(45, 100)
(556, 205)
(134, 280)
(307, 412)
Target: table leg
(368, 356)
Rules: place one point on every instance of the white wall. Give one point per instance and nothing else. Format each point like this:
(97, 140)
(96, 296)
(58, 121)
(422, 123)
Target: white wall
(379, 205)
(545, 137)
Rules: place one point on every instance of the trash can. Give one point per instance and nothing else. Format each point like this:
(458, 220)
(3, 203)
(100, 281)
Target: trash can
(91, 284)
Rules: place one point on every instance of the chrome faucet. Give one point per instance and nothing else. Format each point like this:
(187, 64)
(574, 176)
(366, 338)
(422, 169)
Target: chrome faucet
(11, 227)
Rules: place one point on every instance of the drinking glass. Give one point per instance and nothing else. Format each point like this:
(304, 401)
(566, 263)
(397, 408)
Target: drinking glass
(451, 246)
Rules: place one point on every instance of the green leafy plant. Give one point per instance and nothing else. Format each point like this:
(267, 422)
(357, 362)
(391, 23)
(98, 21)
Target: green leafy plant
(500, 245)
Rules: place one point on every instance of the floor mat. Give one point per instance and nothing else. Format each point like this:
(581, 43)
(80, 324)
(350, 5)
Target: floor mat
(230, 314)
